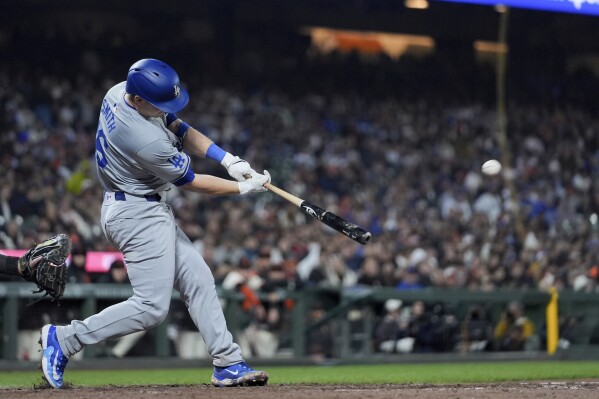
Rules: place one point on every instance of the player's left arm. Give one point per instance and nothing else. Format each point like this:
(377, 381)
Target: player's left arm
(197, 143)
(194, 141)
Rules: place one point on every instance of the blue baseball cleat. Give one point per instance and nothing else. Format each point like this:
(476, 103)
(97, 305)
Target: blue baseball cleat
(238, 374)
(53, 359)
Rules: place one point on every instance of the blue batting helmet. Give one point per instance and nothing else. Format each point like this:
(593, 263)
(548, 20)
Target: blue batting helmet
(157, 83)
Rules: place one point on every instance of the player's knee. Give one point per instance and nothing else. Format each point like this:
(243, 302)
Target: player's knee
(155, 314)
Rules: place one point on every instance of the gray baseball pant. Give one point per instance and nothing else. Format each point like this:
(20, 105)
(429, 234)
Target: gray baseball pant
(159, 256)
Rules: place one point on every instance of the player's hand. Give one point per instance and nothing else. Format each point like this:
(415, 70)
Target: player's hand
(255, 184)
(237, 168)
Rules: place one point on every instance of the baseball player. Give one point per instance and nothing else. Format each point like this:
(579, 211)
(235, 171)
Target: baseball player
(139, 154)
(43, 264)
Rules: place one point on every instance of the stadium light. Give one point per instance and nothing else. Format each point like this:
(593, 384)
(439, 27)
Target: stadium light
(490, 47)
(325, 40)
(417, 4)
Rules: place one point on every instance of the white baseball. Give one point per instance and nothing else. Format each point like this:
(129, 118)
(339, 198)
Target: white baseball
(491, 167)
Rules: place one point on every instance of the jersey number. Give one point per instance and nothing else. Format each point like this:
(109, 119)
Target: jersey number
(100, 149)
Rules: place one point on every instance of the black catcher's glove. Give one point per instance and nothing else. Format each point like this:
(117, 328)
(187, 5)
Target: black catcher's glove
(50, 273)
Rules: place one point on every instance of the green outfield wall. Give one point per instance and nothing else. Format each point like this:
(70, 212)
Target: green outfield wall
(352, 313)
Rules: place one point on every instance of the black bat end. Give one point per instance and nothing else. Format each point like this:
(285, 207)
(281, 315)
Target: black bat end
(357, 234)
(365, 238)
(351, 230)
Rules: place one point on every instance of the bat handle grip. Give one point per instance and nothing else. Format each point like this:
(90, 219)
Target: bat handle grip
(282, 193)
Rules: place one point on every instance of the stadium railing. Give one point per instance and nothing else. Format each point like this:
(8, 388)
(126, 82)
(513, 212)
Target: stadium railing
(353, 334)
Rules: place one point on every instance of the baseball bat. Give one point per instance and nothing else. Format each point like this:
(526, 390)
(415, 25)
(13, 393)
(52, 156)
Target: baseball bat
(351, 230)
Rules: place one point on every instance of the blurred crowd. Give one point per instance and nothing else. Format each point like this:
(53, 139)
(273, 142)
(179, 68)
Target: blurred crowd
(380, 144)
(408, 171)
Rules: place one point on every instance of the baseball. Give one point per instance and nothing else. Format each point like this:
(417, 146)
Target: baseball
(491, 167)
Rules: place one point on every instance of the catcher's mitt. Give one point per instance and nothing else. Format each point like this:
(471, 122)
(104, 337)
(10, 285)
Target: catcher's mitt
(50, 273)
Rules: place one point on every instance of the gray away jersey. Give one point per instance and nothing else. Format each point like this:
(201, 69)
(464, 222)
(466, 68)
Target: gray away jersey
(135, 154)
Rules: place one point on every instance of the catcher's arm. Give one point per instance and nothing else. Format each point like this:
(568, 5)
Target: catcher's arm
(44, 265)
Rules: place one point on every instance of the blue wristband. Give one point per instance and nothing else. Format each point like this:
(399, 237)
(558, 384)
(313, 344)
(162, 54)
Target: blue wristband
(215, 152)
(170, 118)
(183, 127)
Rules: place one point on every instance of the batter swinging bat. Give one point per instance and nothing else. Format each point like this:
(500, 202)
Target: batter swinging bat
(354, 232)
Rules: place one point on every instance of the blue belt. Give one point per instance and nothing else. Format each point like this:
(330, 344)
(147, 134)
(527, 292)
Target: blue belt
(120, 196)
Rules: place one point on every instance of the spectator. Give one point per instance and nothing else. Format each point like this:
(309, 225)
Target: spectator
(445, 327)
(391, 334)
(77, 272)
(262, 334)
(410, 280)
(370, 273)
(321, 342)
(332, 272)
(255, 339)
(418, 326)
(514, 331)
(476, 331)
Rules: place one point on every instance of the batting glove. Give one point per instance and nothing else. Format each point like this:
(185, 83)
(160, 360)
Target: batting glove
(237, 168)
(255, 184)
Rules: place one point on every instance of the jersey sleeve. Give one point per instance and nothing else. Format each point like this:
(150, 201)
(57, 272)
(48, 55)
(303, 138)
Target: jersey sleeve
(164, 161)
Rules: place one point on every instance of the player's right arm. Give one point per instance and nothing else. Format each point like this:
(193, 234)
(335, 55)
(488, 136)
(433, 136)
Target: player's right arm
(197, 143)
(163, 160)
(213, 185)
